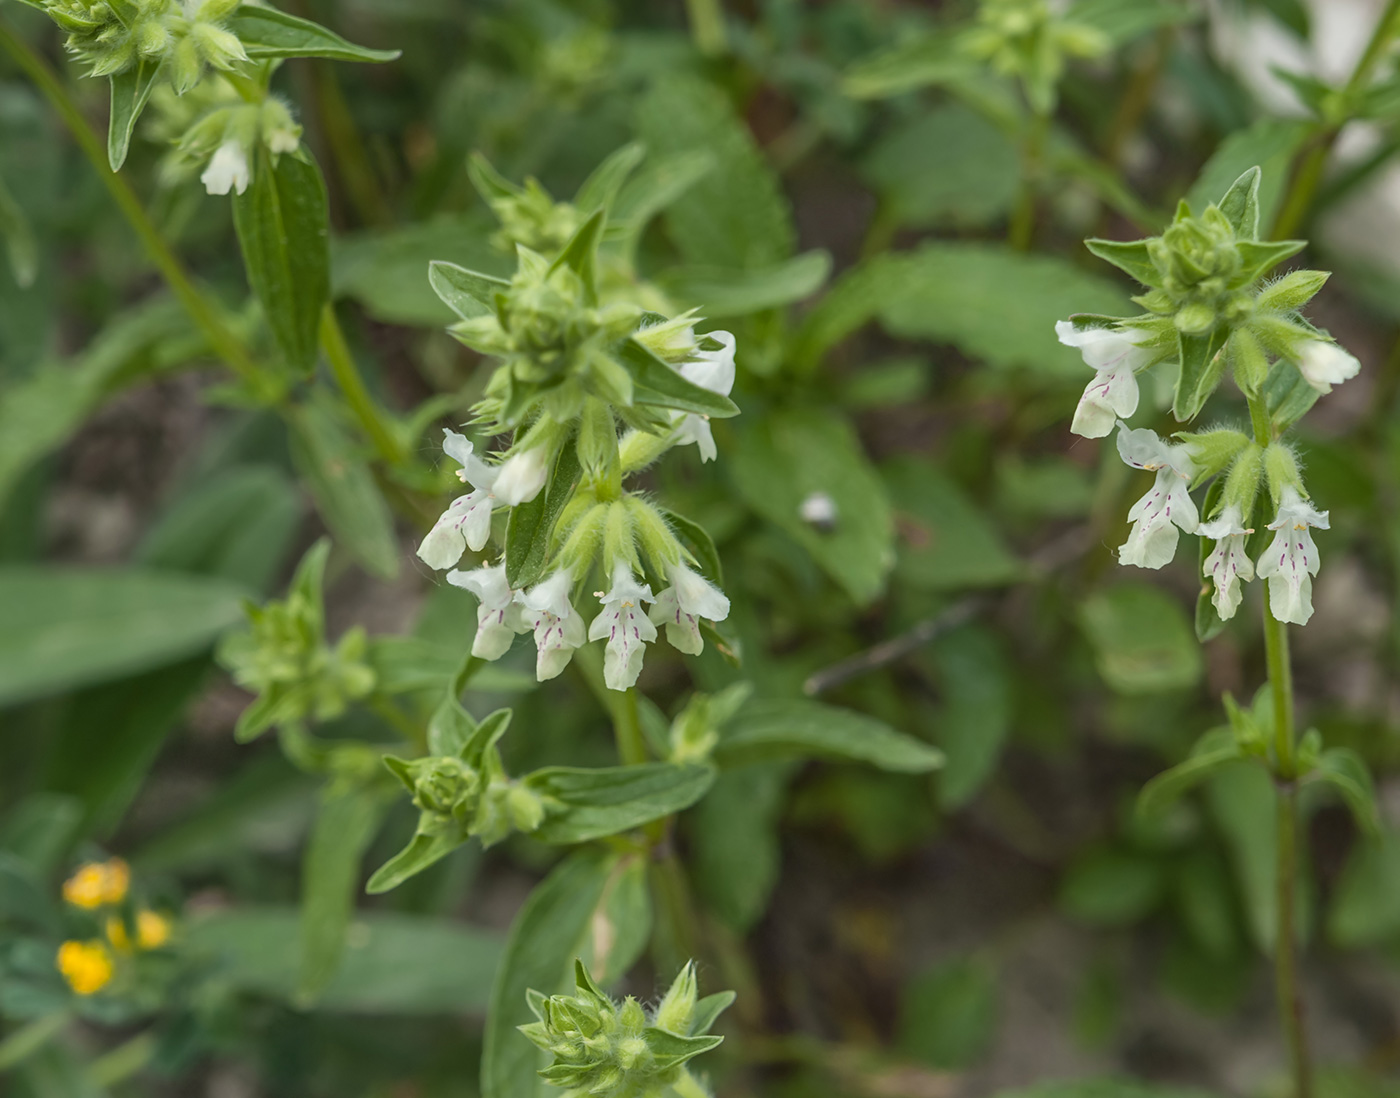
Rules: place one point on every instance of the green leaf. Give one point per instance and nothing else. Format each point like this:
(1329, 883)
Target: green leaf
(976, 688)
(580, 255)
(1111, 888)
(1129, 256)
(40, 830)
(697, 539)
(1259, 259)
(131, 91)
(963, 294)
(467, 293)
(621, 927)
(1366, 904)
(343, 487)
(394, 964)
(1346, 772)
(66, 628)
(602, 186)
(421, 852)
(586, 804)
(1101, 1088)
(1142, 642)
(1288, 395)
(551, 930)
(1244, 804)
(1218, 747)
(1202, 366)
(267, 33)
(1125, 20)
(718, 293)
(20, 246)
(531, 525)
(794, 453)
(1240, 205)
(283, 225)
(933, 58)
(776, 728)
(735, 851)
(948, 1015)
(346, 823)
(734, 216)
(656, 383)
(1271, 144)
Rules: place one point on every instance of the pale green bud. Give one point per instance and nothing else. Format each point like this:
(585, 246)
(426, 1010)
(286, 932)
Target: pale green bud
(1248, 361)
(618, 538)
(1212, 451)
(445, 786)
(678, 1006)
(1281, 467)
(524, 807)
(1242, 483)
(653, 534)
(1291, 292)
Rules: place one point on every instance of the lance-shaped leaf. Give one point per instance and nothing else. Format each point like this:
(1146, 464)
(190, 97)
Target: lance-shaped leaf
(532, 524)
(580, 255)
(1218, 747)
(283, 226)
(588, 804)
(267, 33)
(469, 294)
(1346, 772)
(421, 852)
(131, 90)
(1240, 205)
(1258, 259)
(1202, 366)
(602, 187)
(1130, 257)
(655, 383)
(778, 728)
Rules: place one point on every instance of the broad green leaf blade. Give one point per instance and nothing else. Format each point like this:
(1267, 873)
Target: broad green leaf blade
(1112, 888)
(20, 246)
(588, 804)
(395, 964)
(1346, 772)
(1366, 904)
(933, 58)
(1259, 259)
(1142, 640)
(421, 852)
(947, 1015)
(131, 91)
(1202, 366)
(602, 186)
(1240, 204)
(777, 728)
(549, 933)
(1271, 144)
(1124, 21)
(40, 830)
(1129, 256)
(346, 823)
(977, 690)
(467, 293)
(655, 383)
(66, 628)
(792, 454)
(1217, 748)
(531, 525)
(343, 487)
(723, 293)
(268, 34)
(405, 665)
(283, 225)
(735, 852)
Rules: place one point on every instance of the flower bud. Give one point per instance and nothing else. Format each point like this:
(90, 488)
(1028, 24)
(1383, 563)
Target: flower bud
(1281, 467)
(445, 785)
(678, 1006)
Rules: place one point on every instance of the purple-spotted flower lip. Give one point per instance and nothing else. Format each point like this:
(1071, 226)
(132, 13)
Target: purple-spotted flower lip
(1292, 559)
(1167, 507)
(1115, 355)
(625, 626)
(1228, 566)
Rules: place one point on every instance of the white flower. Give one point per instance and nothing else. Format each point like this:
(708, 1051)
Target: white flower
(681, 606)
(625, 626)
(1116, 357)
(1291, 560)
(467, 521)
(1323, 364)
(712, 370)
(498, 617)
(558, 627)
(1168, 506)
(227, 170)
(1228, 566)
(521, 476)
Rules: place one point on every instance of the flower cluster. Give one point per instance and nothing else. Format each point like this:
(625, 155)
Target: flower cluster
(1030, 40)
(284, 656)
(458, 800)
(1208, 308)
(90, 965)
(613, 1050)
(183, 36)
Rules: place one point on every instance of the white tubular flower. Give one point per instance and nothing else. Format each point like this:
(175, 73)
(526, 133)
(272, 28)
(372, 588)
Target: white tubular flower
(626, 628)
(498, 617)
(466, 524)
(521, 476)
(1116, 357)
(681, 606)
(1323, 364)
(712, 370)
(1228, 566)
(1166, 508)
(558, 627)
(227, 170)
(1291, 559)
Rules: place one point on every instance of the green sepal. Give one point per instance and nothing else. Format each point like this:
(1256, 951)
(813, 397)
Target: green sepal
(1258, 259)
(1202, 366)
(1208, 622)
(1212, 451)
(469, 294)
(1217, 748)
(1131, 257)
(401, 769)
(531, 525)
(1240, 205)
(267, 34)
(1292, 291)
(1248, 361)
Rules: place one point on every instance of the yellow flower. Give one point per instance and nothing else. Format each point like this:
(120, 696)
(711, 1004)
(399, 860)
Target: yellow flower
(97, 884)
(152, 931)
(87, 966)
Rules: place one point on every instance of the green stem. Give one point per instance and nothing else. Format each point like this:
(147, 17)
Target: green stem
(627, 729)
(707, 26)
(124, 1061)
(1302, 190)
(1281, 689)
(1021, 232)
(343, 369)
(225, 344)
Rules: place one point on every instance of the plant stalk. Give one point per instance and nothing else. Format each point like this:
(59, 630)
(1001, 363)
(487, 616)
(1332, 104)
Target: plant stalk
(627, 730)
(224, 343)
(707, 26)
(1020, 233)
(352, 386)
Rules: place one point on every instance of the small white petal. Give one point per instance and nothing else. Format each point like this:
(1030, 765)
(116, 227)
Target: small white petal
(521, 477)
(1323, 364)
(227, 170)
(625, 627)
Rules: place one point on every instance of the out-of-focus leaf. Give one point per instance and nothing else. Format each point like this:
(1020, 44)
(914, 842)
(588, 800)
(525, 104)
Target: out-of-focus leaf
(344, 488)
(40, 829)
(1346, 772)
(1218, 747)
(1142, 640)
(976, 687)
(1101, 1088)
(531, 524)
(794, 454)
(770, 729)
(406, 664)
(586, 804)
(958, 293)
(20, 245)
(1124, 20)
(735, 851)
(1270, 144)
(267, 33)
(932, 58)
(1366, 906)
(393, 964)
(947, 1016)
(67, 628)
(735, 215)
(718, 292)
(1112, 888)
(1244, 804)
(1201, 889)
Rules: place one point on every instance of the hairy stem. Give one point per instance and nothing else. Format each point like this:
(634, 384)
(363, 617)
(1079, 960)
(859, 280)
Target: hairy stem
(224, 343)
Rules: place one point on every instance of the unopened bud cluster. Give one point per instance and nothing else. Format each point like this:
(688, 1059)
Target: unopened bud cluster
(610, 1050)
(1029, 40)
(1211, 308)
(459, 800)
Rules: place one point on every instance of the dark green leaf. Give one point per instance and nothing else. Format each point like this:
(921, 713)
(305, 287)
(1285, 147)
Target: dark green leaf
(656, 383)
(1111, 888)
(1202, 366)
(947, 1016)
(927, 59)
(977, 688)
(1271, 144)
(131, 90)
(1215, 749)
(531, 525)
(734, 848)
(467, 293)
(421, 852)
(20, 245)
(1366, 907)
(592, 804)
(722, 293)
(774, 729)
(697, 539)
(1346, 772)
(1141, 639)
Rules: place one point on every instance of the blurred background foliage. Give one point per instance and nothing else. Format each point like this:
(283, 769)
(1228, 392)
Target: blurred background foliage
(841, 191)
